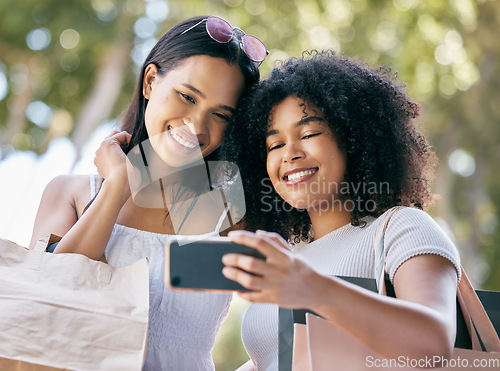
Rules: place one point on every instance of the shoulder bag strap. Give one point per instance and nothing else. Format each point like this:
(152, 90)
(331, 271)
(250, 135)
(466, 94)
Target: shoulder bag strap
(45, 241)
(471, 306)
(378, 249)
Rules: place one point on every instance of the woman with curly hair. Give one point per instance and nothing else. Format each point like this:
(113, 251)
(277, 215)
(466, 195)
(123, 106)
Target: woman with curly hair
(330, 147)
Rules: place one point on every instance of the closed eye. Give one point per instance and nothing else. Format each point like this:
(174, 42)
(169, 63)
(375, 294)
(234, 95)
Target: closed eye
(222, 116)
(311, 135)
(271, 148)
(187, 98)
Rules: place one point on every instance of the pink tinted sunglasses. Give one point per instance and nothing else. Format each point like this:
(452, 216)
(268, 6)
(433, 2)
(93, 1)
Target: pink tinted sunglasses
(221, 31)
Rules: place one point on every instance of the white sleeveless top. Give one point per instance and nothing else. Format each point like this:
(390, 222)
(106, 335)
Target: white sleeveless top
(182, 325)
(348, 251)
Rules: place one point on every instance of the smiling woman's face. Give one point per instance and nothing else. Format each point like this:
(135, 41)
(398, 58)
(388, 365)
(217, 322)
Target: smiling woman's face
(189, 107)
(304, 162)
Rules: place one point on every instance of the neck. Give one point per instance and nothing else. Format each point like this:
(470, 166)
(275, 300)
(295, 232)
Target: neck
(324, 222)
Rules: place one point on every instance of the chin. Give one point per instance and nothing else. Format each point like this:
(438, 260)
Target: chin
(309, 204)
(296, 204)
(176, 160)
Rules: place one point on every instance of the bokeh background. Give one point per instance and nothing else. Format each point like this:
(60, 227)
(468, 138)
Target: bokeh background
(68, 68)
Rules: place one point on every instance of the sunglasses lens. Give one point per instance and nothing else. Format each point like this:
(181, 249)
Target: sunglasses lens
(254, 48)
(219, 29)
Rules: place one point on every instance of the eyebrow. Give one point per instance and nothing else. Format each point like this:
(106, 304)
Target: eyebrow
(197, 92)
(230, 109)
(303, 121)
(194, 90)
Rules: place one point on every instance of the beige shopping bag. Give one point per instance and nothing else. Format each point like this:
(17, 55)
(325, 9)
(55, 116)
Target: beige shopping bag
(66, 311)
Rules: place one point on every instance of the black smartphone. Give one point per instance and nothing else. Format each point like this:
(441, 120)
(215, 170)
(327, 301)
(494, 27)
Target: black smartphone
(197, 265)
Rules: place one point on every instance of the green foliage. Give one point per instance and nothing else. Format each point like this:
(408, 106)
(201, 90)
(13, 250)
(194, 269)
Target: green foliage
(229, 353)
(447, 52)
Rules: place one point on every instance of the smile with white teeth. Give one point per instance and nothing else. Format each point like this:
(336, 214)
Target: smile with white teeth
(299, 174)
(181, 141)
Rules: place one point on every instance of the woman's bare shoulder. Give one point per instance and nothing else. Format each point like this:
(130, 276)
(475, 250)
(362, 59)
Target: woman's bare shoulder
(69, 183)
(73, 188)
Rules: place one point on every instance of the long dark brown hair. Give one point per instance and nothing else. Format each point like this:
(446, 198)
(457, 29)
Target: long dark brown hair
(169, 52)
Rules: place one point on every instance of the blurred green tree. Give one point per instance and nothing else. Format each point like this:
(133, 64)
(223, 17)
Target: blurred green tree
(66, 66)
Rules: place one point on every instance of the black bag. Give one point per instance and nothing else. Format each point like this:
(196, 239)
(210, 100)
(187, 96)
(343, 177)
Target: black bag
(287, 317)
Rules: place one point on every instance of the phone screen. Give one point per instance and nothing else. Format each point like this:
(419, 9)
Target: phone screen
(198, 266)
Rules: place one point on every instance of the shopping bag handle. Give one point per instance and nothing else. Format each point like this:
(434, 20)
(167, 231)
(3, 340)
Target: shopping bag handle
(476, 345)
(105, 271)
(42, 244)
(378, 250)
(473, 309)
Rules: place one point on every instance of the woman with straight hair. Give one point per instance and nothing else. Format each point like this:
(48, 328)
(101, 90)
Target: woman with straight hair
(188, 90)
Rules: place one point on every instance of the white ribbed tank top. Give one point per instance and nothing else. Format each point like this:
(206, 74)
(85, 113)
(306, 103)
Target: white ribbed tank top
(348, 251)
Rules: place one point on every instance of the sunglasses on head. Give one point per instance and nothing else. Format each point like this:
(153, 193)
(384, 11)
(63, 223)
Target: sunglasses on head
(221, 31)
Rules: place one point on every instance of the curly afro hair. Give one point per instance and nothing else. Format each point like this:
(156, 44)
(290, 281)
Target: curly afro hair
(373, 121)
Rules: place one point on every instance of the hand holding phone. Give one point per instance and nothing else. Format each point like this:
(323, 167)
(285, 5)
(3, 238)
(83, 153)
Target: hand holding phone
(197, 265)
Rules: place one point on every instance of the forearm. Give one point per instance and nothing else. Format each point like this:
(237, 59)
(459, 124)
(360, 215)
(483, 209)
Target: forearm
(391, 327)
(90, 234)
(420, 323)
